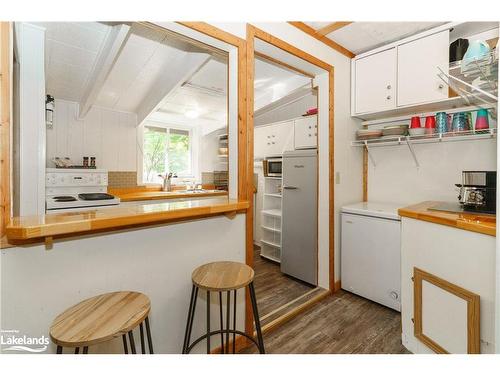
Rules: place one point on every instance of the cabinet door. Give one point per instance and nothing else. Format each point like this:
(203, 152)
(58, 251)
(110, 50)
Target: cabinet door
(418, 63)
(306, 132)
(284, 137)
(259, 136)
(375, 81)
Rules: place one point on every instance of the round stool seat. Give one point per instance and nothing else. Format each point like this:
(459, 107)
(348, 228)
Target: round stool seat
(222, 276)
(100, 319)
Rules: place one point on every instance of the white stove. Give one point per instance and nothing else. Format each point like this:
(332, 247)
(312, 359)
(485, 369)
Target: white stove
(77, 189)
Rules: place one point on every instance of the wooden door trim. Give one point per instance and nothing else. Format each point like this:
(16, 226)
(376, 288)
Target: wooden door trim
(473, 311)
(5, 127)
(252, 33)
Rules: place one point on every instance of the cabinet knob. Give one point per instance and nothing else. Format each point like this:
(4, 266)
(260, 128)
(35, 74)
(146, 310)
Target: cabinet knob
(441, 86)
(273, 135)
(309, 127)
(268, 136)
(315, 134)
(268, 143)
(309, 135)
(389, 87)
(388, 97)
(272, 143)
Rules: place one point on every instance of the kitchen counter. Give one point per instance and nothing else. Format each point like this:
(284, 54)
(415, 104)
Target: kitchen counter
(66, 224)
(156, 195)
(474, 222)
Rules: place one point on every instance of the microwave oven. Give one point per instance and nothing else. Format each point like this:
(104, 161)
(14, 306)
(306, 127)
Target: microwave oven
(272, 167)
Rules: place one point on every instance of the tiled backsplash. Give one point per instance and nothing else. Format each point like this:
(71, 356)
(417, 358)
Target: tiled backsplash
(122, 179)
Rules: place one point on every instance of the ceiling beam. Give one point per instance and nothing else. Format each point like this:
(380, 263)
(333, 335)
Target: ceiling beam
(309, 30)
(331, 27)
(282, 64)
(111, 49)
(180, 70)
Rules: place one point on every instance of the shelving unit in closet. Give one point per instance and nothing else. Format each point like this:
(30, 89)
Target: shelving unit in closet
(271, 219)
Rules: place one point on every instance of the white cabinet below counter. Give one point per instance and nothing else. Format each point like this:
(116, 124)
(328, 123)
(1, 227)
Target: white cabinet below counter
(457, 263)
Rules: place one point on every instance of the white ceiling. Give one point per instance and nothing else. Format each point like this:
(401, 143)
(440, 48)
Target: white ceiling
(273, 83)
(359, 37)
(71, 49)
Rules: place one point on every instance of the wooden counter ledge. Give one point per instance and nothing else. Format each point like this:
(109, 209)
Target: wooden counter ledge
(157, 195)
(474, 222)
(108, 219)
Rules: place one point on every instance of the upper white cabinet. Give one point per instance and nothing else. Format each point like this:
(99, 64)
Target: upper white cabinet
(418, 63)
(273, 139)
(375, 82)
(306, 132)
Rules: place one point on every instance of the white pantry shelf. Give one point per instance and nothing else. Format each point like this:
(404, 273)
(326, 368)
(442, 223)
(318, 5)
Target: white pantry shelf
(270, 257)
(272, 212)
(274, 230)
(272, 195)
(272, 244)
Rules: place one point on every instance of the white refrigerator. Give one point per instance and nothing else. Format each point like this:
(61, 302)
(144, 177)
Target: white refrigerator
(299, 241)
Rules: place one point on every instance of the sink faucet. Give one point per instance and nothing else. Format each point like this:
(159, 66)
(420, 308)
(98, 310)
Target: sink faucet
(167, 181)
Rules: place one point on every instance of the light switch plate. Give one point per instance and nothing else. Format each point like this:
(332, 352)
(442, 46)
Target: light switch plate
(337, 178)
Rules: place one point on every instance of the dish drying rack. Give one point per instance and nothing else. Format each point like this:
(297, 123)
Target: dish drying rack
(474, 80)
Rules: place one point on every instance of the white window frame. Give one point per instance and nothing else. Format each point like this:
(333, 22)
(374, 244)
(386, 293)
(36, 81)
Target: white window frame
(167, 127)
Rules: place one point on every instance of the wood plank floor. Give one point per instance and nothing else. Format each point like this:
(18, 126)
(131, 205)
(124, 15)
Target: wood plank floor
(273, 289)
(342, 323)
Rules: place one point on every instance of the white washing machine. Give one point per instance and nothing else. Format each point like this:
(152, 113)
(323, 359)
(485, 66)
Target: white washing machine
(371, 252)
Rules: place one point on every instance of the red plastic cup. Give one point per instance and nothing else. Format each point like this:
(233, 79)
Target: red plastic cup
(482, 123)
(415, 122)
(430, 122)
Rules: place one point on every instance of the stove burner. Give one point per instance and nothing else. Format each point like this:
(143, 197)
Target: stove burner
(65, 198)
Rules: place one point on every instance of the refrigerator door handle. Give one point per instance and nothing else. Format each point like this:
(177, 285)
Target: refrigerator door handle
(290, 187)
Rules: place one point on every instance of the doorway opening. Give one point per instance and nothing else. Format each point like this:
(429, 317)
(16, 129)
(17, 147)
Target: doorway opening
(285, 91)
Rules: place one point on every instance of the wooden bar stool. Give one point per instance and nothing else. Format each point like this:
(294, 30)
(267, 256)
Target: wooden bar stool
(222, 277)
(103, 318)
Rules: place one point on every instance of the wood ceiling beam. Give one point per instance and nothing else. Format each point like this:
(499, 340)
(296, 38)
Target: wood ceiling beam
(282, 64)
(309, 30)
(332, 27)
(112, 47)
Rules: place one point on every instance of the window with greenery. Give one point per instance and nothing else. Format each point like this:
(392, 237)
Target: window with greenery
(166, 150)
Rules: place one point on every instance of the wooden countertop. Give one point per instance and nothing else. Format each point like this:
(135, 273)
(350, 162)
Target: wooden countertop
(480, 223)
(152, 195)
(108, 219)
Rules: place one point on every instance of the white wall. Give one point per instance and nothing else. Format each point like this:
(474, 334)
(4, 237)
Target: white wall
(396, 178)
(108, 135)
(37, 285)
(348, 160)
(29, 150)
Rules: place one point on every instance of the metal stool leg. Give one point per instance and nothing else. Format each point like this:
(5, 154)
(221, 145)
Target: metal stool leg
(208, 322)
(77, 350)
(143, 347)
(189, 323)
(234, 322)
(228, 307)
(85, 350)
(148, 333)
(125, 346)
(59, 349)
(221, 324)
(256, 318)
(132, 342)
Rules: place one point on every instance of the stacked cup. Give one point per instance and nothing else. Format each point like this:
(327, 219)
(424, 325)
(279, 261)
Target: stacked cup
(482, 120)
